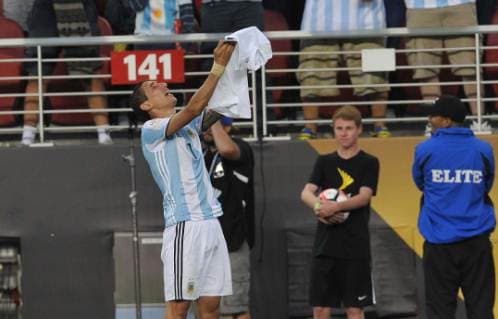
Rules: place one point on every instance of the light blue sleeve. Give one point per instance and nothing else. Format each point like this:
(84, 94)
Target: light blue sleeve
(196, 123)
(154, 131)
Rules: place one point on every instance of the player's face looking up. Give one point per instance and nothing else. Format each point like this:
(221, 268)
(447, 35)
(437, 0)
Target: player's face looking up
(158, 94)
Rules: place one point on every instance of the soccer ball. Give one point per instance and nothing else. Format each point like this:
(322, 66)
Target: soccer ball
(337, 195)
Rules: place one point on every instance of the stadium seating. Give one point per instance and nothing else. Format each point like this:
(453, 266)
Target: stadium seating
(10, 29)
(75, 102)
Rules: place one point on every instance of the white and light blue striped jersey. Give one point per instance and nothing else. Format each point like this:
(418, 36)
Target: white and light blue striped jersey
(158, 17)
(343, 15)
(177, 165)
(428, 4)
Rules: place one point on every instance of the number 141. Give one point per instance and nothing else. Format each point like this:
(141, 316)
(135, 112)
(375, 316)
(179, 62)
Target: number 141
(149, 66)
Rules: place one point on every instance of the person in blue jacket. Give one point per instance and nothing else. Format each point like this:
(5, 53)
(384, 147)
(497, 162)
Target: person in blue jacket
(455, 172)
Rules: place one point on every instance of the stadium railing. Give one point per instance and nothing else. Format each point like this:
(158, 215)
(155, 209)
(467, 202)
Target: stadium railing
(262, 123)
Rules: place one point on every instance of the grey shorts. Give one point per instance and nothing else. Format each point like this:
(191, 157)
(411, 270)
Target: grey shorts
(240, 265)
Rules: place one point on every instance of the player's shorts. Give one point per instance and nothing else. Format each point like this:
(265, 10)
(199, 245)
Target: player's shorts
(341, 283)
(240, 264)
(447, 17)
(326, 54)
(195, 260)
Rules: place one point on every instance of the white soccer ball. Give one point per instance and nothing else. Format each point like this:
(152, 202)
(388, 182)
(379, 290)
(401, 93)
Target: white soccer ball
(335, 195)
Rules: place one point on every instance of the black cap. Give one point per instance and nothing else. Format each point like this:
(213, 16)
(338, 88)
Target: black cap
(448, 106)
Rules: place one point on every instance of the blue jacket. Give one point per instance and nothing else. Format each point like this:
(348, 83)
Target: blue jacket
(455, 171)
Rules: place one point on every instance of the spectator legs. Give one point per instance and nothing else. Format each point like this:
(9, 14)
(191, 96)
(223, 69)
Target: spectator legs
(31, 119)
(471, 93)
(310, 112)
(379, 108)
(430, 92)
(31, 103)
(96, 102)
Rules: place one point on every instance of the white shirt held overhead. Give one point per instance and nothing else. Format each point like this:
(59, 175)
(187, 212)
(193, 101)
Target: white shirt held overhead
(231, 97)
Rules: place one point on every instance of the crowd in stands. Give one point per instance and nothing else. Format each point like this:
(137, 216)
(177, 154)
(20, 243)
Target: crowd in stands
(72, 18)
(371, 15)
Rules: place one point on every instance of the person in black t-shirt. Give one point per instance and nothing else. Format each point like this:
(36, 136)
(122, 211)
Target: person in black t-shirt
(340, 268)
(230, 165)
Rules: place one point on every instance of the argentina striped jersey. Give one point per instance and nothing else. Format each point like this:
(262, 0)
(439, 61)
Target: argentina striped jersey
(158, 17)
(343, 15)
(177, 165)
(427, 4)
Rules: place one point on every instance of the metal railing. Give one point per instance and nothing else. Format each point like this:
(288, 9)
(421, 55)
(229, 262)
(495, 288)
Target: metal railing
(260, 125)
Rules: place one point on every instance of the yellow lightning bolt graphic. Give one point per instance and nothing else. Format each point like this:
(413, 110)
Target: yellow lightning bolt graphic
(346, 179)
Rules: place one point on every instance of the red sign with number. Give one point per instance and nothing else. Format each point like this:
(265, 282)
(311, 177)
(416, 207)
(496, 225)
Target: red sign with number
(129, 67)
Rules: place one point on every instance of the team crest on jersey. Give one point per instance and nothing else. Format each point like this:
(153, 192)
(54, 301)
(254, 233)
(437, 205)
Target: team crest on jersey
(191, 133)
(190, 288)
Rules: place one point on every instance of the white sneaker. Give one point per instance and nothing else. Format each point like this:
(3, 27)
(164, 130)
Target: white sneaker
(484, 129)
(105, 139)
(28, 135)
(27, 141)
(428, 130)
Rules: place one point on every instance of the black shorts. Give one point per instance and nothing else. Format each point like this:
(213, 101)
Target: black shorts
(341, 282)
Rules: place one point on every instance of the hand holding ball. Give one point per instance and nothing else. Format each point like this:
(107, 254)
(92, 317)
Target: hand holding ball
(335, 195)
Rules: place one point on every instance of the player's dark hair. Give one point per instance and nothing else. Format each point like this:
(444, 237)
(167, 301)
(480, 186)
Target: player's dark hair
(136, 99)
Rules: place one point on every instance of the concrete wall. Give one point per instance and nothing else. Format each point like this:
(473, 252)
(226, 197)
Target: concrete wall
(65, 203)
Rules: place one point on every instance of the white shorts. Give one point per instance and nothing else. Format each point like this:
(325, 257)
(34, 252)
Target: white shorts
(195, 260)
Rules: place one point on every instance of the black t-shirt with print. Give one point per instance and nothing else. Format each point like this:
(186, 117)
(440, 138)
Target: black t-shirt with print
(234, 186)
(350, 239)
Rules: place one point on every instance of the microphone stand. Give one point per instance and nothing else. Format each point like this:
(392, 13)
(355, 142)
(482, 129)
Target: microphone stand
(130, 159)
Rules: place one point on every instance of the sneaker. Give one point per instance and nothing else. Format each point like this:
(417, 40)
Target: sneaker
(306, 134)
(484, 129)
(105, 139)
(28, 135)
(381, 132)
(27, 141)
(428, 130)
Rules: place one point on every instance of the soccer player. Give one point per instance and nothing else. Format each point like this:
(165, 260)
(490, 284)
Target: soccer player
(194, 253)
(340, 267)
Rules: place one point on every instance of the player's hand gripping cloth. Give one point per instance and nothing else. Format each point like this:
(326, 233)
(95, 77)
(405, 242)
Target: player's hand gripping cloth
(231, 97)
